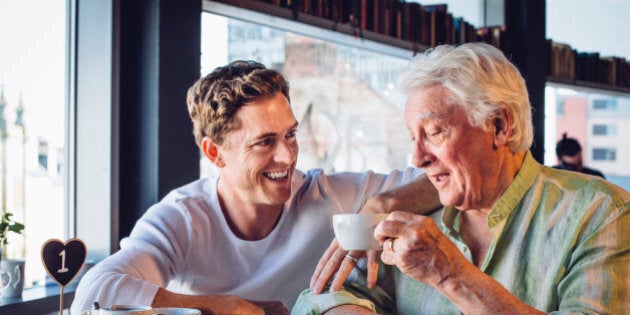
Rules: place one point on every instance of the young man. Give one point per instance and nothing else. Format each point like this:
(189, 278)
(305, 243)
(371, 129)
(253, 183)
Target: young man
(247, 240)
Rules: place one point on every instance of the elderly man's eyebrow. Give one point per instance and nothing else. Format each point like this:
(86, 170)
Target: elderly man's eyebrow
(431, 115)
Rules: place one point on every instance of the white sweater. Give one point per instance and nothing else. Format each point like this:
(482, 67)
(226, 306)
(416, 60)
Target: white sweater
(183, 243)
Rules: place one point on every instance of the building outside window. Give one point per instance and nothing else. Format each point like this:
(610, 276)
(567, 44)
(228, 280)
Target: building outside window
(33, 120)
(604, 104)
(595, 119)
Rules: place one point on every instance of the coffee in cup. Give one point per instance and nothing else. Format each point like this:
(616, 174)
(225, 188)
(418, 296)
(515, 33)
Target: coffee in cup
(355, 231)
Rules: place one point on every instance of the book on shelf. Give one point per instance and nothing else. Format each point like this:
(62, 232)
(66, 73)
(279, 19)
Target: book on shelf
(436, 14)
(450, 28)
(386, 16)
(412, 22)
(569, 65)
(491, 35)
(607, 71)
(397, 21)
(623, 72)
(346, 11)
(464, 32)
(586, 66)
(561, 61)
(367, 14)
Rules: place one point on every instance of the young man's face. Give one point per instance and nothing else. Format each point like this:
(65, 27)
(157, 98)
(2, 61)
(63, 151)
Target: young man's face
(260, 157)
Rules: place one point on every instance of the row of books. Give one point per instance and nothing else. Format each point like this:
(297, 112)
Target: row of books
(566, 63)
(431, 25)
(427, 25)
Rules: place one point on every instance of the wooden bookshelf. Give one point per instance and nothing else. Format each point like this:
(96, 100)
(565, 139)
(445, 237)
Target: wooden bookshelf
(406, 25)
(588, 86)
(522, 38)
(294, 20)
(568, 66)
(234, 9)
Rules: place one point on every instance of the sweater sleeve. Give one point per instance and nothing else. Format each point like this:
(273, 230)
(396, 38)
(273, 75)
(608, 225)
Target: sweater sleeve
(155, 250)
(347, 192)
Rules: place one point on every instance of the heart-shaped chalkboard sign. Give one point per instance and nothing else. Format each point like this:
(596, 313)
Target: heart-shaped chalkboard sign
(63, 261)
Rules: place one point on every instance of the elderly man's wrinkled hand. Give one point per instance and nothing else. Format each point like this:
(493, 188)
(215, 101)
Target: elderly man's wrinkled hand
(418, 248)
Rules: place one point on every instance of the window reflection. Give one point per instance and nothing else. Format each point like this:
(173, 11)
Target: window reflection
(344, 97)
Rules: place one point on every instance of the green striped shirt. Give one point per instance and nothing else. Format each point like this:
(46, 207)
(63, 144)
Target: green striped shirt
(561, 243)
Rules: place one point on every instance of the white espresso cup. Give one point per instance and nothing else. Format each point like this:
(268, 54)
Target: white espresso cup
(122, 310)
(355, 231)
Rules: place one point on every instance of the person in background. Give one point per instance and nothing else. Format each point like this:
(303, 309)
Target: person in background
(247, 240)
(514, 236)
(569, 153)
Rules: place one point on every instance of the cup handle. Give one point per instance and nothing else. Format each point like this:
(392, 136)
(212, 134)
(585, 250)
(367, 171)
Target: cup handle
(18, 272)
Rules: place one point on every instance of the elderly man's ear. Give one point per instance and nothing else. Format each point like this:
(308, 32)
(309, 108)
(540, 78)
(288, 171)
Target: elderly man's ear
(211, 150)
(503, 124)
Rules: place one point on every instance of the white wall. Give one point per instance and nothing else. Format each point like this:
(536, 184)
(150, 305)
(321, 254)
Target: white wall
(599, 26)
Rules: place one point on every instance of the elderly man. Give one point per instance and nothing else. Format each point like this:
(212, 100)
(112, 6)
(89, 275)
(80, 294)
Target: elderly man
(514, 236)
(247, 240)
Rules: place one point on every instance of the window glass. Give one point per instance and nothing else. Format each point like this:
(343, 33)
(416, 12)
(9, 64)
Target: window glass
(605, 104)
(604, 154)
(344, 97)
(598, 121)
(604, 130)
(32, 120)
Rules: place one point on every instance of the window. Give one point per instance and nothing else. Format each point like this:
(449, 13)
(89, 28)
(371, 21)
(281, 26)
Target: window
(33, 120)
(595, 119)
(606, 104)
(604, 154)
(342, 94)
(604, 130)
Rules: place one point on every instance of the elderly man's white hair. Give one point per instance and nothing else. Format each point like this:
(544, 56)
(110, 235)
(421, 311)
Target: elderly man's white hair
(478, 77)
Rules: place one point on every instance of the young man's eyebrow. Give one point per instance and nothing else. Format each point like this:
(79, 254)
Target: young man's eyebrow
(271, 134)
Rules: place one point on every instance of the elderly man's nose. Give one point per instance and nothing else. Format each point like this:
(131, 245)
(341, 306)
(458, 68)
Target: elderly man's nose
(421, 157)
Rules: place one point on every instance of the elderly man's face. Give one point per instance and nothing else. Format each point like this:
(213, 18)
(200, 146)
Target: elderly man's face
(457, 157)
(261, 155)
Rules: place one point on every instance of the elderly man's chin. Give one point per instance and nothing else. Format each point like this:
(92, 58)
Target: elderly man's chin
(448, 199)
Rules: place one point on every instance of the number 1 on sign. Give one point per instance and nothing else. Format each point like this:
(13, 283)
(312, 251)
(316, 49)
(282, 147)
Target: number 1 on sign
(63, 262)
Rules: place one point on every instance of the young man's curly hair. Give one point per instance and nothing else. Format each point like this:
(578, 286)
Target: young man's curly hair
(214, 99)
